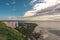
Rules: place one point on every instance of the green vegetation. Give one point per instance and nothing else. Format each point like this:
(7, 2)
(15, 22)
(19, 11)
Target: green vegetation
(7, 33)
(26, 28)
(19, 33)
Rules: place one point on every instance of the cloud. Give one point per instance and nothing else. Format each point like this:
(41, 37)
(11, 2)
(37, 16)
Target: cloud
(13, 2)
(7, 4)
(11, 17)
(32, 2)
(29, 13)
(41, 5)
(14, 9)
(25, 5)
(36, 1)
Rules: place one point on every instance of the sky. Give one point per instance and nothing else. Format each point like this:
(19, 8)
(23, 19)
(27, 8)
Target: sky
(14, 7)
(39, 5)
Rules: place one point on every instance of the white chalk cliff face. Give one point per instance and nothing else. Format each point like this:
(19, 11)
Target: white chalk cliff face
(47, 7)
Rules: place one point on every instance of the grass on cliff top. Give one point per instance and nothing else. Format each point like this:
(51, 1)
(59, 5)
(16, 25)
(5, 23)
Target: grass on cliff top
(7, 33)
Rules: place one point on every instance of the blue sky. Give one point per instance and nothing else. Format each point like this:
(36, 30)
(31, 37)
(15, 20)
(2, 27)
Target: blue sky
(14, 7)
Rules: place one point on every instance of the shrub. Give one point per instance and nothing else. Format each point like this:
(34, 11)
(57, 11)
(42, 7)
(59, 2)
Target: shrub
(26, 28)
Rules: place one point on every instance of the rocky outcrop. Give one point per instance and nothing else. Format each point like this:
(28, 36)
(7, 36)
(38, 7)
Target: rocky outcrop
(42, 34)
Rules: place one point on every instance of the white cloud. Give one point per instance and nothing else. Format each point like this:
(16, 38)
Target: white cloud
(36, 1)
(13, 2)
(11, 18)
(14, 9)
(33, 1)
(52, 1)
(47, 3)
(39, 6)
(7, 4)
(24, 5)
(29, 13)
